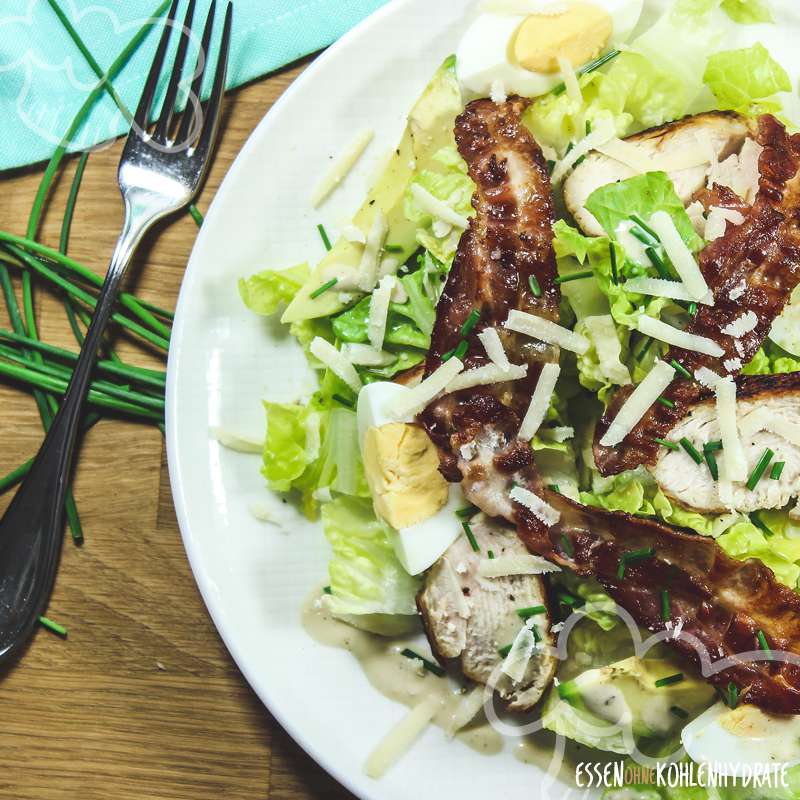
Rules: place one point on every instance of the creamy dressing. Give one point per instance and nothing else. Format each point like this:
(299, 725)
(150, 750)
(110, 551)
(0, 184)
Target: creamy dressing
(403, 680)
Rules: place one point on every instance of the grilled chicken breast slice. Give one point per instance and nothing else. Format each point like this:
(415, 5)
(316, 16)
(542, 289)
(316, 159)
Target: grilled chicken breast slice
(468, 618)
(768, 412)
(724, 132)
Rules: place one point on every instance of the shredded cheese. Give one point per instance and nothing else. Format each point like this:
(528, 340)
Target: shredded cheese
(364, 355)
(237, 441)
(543, 511)
(678, 338)
(437, 208)
(507, 566)
(540, 328)
(399, 740)
(603, 333)
(354, 234)
(570, 79)
(490, 339)
(717, 222)
(418, 397)
(732, 364)
(706, 377)
(733, 456)
(540, 402)
(638, 404)
(336, 362)
(341, 167)
(371, 256)
(516, 662)
(640, 161)
(466, 710)
(486, 375)
(498, 93)
(763, 419)
(680, 255)
(379, 312)
(741, 325)
(738, 290)
(660, 287)
(602, 132)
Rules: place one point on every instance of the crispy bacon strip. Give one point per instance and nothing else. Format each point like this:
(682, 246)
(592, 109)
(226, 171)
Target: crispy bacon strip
(722, 602)
(763, 256)
(504, 255)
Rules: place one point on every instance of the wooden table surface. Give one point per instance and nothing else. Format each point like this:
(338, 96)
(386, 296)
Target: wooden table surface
(142, 699)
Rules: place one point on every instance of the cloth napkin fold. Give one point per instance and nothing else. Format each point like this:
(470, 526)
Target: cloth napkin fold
(44, 78)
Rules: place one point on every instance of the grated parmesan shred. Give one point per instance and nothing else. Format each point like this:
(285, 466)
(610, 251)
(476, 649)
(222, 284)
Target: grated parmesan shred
(371, 256)
(418, 397)
(678, 338)
(336, 362)
(540, 402)
(733, 457)
(540, 328)
(490, 339)
(379, 312)
(341, 167)
(741, 325)
(507, 566)
(543, 511)
(438, 209)
(660, 287)
(680, 255)
(485, 376)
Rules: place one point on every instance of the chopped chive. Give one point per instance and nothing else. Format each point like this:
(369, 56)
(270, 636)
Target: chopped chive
(691, 450)
(679, 712)
(534, 284)
(490, 553)
(680, 369)
(667, 444)
(760, 469)
(643, 352)
(324, 236)
(613, 254)
(665, 402)
(580, 161)
(777, 470)
(712, 446)
(470, 536)
(393, 248)
(732, 698)
(692, 309)
(568, 691)
(658, 262)
(52, 626)
(327, 590)
(466, 513)
(324, 288)
(575, 276)
(639, 234)
(631, 557)
(532, 611)
(426, 663)
(504, 651)
(761, 525)
(587, 68)
(472, 321)
(567, 546)
(569, 600)
(669, 680)
(666, 609)
(588, 126)
(537, 637)
(645, 227)
(711, 461)
(459, 351)
(764, 644)
(554, 487)
(342, 400)
(551, 165)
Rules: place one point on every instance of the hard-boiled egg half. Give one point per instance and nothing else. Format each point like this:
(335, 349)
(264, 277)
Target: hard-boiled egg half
(728, 737)
(514, 46)
(408, 491)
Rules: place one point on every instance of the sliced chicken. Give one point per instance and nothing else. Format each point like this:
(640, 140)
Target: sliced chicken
(469, 618)
(768, 412)
(720, 135)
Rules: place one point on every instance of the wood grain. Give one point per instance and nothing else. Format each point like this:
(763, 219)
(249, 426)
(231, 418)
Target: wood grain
(141, 700)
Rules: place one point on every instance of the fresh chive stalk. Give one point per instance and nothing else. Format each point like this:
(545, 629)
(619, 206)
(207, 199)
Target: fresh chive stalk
(760, 469)
(666, 609)
(665, 443)
(713, 445)
(60, 630)
(393, 248)
(613, 255)
(632, 557)
(532, 611)
(760, 524)
(732, 695)
(680, 369)
(670, 680)
(693, 452)
(467, 513)
(342, 401)
(764, 644)
(472, 320)
(666, 402)
(323, 234)
(534, 284)
(554, 487)
(711, 461)
(588, 68)
(324, 288)
(575, 276)
(566, 546)
(679, 712)
(470, 536)
(505, 650)
(429, 665)
(777, 470)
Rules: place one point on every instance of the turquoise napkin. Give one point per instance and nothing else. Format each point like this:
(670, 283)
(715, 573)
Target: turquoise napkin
(44, 79)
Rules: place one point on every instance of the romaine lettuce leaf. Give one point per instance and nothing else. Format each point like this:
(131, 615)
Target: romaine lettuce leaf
(366, 577)
(267, 291)
(451, 185)
(771, 360)
(747, 80)
(747, 12)
(351, 326)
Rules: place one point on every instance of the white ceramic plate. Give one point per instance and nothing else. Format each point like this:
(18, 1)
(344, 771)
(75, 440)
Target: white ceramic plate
(224, 361)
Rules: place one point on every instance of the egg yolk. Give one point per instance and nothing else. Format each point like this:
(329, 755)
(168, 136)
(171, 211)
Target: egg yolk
(579, 34)
(402, 469)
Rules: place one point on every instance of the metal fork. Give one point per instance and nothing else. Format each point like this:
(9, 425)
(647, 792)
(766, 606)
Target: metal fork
(159, 173)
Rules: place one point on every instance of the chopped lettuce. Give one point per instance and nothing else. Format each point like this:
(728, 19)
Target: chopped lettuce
(747, 80)
(747, 12)
(366, 577)
(351, 326)
(642, 196)
(450, 184)
(771, 360)
(267, 291)
(600, 606)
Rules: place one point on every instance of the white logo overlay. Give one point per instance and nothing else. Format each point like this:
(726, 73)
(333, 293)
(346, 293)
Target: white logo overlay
(670, 769)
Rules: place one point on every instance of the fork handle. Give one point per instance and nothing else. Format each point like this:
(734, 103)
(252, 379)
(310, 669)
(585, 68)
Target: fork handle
(31, 529)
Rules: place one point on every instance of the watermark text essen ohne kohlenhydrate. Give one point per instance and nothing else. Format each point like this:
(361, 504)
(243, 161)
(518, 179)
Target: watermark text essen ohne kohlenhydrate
(606, 775)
